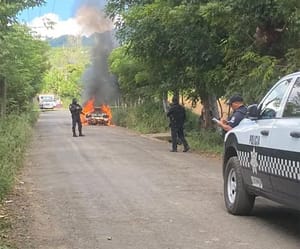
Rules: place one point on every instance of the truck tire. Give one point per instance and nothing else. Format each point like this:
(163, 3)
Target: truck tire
(237, 200)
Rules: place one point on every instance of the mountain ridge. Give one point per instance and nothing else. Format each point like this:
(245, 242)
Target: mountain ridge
(71, 40)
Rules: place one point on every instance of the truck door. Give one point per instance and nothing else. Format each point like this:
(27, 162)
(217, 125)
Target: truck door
(257, 138)
(285, 136)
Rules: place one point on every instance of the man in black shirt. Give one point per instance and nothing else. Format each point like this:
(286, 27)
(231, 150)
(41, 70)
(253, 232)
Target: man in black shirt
(177, 117)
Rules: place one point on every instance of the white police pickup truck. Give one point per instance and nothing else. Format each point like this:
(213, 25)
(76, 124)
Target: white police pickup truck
(262, 154)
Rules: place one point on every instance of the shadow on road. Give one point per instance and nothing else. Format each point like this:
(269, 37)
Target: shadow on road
(280, 217)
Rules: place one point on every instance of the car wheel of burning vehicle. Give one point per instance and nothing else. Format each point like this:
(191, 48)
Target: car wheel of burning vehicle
(237, 200)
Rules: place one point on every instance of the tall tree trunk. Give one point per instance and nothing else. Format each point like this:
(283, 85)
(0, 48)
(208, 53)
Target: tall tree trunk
(209, 110)
(165, 102)
(2, 97)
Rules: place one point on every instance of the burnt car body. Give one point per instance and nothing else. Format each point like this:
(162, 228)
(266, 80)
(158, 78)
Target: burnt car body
(97, 117)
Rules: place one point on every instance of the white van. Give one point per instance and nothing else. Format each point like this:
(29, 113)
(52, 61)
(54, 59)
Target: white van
(47, 101)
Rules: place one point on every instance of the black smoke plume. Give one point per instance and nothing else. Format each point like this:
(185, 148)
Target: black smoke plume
(98, 82)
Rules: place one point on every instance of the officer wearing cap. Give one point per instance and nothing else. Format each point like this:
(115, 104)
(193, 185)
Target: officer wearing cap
(236, 102)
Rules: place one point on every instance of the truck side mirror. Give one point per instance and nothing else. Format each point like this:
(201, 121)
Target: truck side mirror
(253, 112)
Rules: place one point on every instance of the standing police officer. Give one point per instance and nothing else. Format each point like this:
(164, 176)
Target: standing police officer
(76, 110)
(239, 112)
(177, 117)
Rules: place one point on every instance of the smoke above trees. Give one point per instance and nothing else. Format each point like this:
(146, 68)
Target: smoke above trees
(98, 82)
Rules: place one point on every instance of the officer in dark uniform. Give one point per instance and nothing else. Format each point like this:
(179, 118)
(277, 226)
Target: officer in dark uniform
(239, 112)
(76, 110)
(177, 118)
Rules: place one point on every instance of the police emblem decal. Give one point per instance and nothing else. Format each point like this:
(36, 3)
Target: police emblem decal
(254, 161)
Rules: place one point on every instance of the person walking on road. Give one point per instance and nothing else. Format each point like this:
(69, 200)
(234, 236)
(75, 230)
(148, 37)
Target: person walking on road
(76, 110)
(177, 118)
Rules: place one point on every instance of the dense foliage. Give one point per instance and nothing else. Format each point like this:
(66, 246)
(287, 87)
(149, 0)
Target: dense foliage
(22, 59)
(64, 76)
(204, 48)
(148, 117)
(23, 63)
(9, 10)
(22, 66)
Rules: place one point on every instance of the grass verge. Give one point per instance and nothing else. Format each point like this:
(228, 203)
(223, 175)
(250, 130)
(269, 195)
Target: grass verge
(16, 131)
(149, 118)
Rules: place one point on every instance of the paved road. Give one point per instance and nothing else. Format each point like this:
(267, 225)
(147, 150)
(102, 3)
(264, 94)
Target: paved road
(115, 189)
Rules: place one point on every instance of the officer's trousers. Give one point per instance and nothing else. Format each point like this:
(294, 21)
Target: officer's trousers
(177, 133)
(76, 120)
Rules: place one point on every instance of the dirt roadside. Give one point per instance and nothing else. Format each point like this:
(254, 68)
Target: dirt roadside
(17, 217)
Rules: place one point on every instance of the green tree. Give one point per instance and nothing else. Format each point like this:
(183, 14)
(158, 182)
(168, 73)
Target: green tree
(10, 9)
(261, 42)
(175, 43)
(22, 63)
(208, 49)
(22, 60)
(67, 66)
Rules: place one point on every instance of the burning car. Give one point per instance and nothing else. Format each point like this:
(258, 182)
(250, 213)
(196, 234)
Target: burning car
(92, 115)
(97, 117)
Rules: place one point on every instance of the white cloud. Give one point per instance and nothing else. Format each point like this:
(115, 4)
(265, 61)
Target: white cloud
(51, 26)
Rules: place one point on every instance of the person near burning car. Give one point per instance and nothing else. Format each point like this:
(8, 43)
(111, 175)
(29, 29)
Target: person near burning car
(76, 110)
(177, 118)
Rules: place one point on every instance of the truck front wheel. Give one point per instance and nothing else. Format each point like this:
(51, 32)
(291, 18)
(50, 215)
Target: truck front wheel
(237, 200)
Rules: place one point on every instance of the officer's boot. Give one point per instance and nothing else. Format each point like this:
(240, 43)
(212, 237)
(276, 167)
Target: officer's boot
(174, 146)
(185, 146)
(80, 132)
(74, 133)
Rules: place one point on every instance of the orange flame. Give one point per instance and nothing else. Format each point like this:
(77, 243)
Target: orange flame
(89, 108)
(106, 109)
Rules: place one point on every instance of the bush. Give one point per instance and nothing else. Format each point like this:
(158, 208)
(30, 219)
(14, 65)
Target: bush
(206, 141)
(15, 134)
(150, 118)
